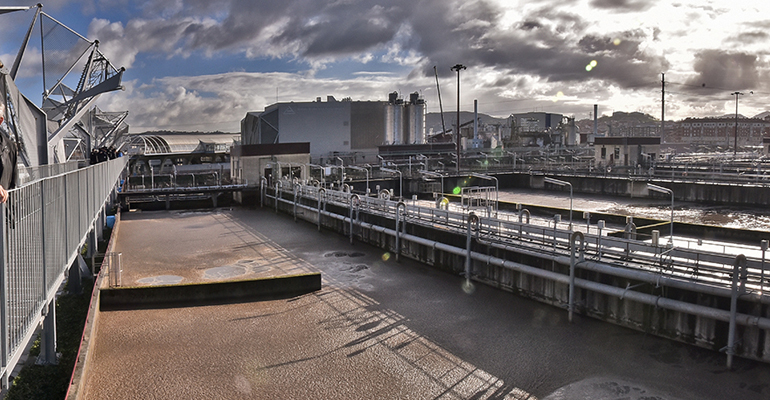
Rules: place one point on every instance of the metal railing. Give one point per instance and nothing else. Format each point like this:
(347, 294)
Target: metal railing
(31, 174)
(544, 237)
(44, 225)
(703, 272)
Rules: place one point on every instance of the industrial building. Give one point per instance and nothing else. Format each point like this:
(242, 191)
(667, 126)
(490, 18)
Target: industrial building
(536, 129)
(625, 151)
(351, 130)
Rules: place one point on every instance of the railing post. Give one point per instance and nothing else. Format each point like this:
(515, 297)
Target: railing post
(321, 194)
(296, 194)
(576, 237)
(48, 336)
(354, 202)
(472, 219)
(398, 231)
(4, 327)
(738, 265)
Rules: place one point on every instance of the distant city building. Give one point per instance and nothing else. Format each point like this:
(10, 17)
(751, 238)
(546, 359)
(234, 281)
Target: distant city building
(720, 131)
(352, 130)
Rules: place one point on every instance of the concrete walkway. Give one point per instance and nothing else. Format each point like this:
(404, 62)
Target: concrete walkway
(377, 330)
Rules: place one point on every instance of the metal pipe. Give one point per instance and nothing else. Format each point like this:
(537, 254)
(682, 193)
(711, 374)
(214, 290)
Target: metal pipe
(563, 183)
(661, 189)
(367, 175)
(342, 176)
(400, 180)
(497, 186)
(676, 305)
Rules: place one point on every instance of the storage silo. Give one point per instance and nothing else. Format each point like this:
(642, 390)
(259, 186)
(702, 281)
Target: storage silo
(415, 121)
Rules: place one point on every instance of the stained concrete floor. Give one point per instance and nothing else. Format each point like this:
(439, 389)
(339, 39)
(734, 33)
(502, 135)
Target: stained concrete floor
(377, 330)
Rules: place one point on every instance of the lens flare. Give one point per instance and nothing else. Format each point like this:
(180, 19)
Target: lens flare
(386, 257)
(456, 190)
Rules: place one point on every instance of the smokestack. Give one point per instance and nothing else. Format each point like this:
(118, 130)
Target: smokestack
(596, 120)
(475, 120)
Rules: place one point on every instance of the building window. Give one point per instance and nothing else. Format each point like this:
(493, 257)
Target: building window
(604, 153)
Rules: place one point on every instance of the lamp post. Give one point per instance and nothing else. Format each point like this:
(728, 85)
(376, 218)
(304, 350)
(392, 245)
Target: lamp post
(437, 175)
(400, 179)
(458, 68)
(342, 176)
(563, 183)
(661, 189)
(735, 144)
(367, 175)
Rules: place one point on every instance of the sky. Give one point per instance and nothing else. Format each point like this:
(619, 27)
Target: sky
(200, 65)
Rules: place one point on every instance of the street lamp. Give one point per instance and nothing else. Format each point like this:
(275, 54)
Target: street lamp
(400, 179)
(458, 68)
(342, 177)
(367, 175)
(661, 189)
(435, 174)
(735, 145)
(563, 183)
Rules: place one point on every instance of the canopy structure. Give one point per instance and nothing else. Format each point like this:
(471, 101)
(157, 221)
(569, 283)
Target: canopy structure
(67, 124)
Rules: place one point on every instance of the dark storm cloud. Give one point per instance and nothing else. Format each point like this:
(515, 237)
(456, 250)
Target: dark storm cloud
(719, 68)
(555, 50)
(750, 37)
(623, 5)
(555, 45)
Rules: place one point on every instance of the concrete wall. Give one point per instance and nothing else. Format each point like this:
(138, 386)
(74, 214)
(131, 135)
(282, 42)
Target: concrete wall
(753, 343)
(326, 125)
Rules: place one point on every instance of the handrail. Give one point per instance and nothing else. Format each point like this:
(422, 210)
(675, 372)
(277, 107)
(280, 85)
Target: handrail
(44, 225)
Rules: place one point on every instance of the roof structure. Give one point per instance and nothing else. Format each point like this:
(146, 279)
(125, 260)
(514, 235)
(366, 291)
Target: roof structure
(182, 143)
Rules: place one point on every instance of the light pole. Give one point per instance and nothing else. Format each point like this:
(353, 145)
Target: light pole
(437, 175)
(563, 183)
(661, 189)
(735, 144)
(367, 175)
(400, 179)
(458, 68)
(342, 176)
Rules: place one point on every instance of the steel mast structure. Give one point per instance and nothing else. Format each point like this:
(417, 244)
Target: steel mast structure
(75, 73)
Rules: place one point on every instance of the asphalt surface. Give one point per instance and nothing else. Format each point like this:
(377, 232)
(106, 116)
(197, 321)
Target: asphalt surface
(377, 330)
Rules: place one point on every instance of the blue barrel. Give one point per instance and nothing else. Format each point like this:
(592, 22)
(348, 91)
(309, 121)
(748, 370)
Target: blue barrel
(110, 221)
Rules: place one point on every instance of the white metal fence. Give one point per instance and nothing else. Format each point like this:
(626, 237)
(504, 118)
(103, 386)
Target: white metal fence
(44, 225)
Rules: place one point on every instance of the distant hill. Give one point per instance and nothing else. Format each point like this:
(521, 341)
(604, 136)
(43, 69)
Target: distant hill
(433, 120)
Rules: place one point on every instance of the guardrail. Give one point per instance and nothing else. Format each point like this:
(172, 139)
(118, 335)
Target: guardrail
(662, 265)
(44, 225)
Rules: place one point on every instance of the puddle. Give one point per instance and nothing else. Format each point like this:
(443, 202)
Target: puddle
(227, 271)
(161, 280)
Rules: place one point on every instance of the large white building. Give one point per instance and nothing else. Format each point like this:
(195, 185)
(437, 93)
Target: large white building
(349, 129)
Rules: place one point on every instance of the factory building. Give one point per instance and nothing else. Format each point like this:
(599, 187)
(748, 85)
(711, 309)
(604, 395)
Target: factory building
(535, 129)
(352, 130)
